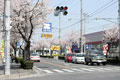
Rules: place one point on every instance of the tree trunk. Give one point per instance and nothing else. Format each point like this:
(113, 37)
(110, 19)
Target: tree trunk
(15, 51)
(27, 51)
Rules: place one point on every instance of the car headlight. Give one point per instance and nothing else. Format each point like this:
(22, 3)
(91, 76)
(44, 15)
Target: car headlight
(94, 58)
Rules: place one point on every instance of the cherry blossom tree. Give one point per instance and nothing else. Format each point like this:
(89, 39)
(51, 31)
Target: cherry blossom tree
(111, 37)
(70, 37)
(26, 15)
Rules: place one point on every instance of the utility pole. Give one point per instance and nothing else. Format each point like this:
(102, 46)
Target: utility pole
(81, 35)
(60, 32)
(7, 36)
(84, 29)
(119, 23)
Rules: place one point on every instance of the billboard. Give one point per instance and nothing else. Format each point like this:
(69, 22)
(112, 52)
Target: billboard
(47, 27)
(46, 35)
(55, 47)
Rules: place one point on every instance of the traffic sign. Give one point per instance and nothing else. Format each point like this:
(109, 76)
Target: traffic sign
(47, 35)
(47, 27)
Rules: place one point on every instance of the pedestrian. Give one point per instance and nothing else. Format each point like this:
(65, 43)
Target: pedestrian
(12, 57)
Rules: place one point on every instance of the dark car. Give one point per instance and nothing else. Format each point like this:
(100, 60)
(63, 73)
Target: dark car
(68, 57)
(95, 56)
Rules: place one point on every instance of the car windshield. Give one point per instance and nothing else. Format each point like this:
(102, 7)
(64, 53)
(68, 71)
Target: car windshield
(80, 55)
(97, 53)
(34, 54)
(70, 54)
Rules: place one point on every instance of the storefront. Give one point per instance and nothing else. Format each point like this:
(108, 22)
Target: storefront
(94, 40)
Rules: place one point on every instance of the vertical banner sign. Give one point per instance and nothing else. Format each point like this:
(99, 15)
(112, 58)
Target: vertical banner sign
(1, 48)
(47, 27)
(105, 48)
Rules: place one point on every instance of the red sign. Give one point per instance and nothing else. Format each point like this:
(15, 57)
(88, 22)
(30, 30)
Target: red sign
(105, 48)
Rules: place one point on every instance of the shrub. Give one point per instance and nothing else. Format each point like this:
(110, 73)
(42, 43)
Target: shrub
(55, 54)
(18, 59)
(113, 60)
(46, 56)
(61, 57)
(27, 64)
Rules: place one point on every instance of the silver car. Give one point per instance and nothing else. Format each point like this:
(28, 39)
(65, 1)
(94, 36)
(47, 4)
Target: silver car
(78, 58)
(95, 56)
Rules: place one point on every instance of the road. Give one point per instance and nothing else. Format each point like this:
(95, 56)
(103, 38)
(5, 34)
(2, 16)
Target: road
(59, 70)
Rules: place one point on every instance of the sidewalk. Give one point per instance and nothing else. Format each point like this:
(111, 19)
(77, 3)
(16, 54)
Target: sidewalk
(17, 72)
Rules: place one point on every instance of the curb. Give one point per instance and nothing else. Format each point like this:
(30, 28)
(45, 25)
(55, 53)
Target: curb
(20, 75)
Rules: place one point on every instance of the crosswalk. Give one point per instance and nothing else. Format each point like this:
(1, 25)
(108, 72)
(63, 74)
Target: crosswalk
(85, 70)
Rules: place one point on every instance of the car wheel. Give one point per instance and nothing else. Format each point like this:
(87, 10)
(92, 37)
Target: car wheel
(104, 63)
(98, 63)
(65, 60)
(76, 61)
(91, 63)
(86, 63)
(72, 61)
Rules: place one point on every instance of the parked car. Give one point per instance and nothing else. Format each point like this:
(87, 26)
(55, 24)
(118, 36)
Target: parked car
(35, 57)
(78, 58)
(95, 56)
(68, 57)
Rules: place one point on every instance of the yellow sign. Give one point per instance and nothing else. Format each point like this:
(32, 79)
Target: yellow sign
(55, 47)
(47, 35)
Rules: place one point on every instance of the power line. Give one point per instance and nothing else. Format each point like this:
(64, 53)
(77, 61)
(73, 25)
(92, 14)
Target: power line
(91, 19)
(101, 9)
(94, 13)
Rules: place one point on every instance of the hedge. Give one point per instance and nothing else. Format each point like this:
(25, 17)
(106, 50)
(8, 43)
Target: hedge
(113, 60)
(18, 59)
(27, 64)
(59, 57)
(46, 56)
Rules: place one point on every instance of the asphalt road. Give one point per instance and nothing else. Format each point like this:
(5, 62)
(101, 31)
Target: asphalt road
(59, 70)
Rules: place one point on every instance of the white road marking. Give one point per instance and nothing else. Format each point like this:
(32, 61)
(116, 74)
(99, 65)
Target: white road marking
(96, 69)
(48, 71)
(67, 70)
(58, 70)
(78, 70)
(104, 69)
(86, 69)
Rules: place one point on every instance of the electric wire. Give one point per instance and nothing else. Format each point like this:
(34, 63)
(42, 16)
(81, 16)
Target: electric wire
(101, 7)
(104, 7)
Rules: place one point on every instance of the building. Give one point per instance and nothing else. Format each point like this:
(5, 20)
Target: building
(94, 40)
